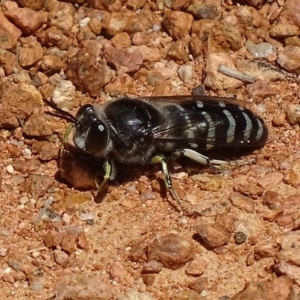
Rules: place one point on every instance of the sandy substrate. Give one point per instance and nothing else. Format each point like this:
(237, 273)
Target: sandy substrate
(56, 242)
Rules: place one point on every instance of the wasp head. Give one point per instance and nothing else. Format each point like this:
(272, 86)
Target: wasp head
(91, 133)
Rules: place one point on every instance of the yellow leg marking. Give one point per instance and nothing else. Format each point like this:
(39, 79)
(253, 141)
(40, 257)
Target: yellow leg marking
(65, 138)
(168, 182)
(159, 159)
(101, 188)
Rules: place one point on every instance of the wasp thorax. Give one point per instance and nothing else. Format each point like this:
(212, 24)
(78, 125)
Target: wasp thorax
(91, 133)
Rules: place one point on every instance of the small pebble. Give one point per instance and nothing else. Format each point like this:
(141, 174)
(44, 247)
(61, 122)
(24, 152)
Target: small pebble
(5, 232)
(260, 50)
(38, 272)
(184, 221)
(23, 200)
(27, 151)
(261, 107)
(156, 27)
(36, 286)
(84, 22)
(35, 254)
(185, 73)
(240, 237)
(3, 252)
(147, 195)
(87, 216)
(66, 218)
(199, 90)
(204, 293)
(90, 222)
(131, 188)
(10, 169)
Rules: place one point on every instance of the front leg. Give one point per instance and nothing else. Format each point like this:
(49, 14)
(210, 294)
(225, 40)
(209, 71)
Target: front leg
(109, 168)
(64, 141)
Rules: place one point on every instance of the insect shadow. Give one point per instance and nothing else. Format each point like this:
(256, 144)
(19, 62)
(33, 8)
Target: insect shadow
(79, 169)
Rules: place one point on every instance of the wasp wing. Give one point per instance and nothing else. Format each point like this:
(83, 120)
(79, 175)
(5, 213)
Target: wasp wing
(205, 120)
(179, 99)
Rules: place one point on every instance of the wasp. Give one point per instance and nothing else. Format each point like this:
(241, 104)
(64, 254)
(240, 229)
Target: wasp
(151, 129)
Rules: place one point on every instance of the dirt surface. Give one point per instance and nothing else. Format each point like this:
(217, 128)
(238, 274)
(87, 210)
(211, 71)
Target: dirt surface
(57, 243)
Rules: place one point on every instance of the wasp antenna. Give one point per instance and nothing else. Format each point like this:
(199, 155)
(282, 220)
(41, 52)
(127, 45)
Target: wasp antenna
(60, 112)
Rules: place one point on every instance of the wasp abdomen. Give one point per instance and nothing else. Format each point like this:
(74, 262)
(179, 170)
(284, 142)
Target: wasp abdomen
(214, 124)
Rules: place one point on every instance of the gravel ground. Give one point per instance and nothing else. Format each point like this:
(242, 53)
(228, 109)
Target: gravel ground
(57, 243)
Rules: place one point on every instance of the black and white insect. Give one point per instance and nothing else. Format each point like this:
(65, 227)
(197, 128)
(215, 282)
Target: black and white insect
(149, 130)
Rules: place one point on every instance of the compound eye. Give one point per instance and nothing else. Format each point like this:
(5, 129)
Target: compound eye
(84, 111)
(97, 138)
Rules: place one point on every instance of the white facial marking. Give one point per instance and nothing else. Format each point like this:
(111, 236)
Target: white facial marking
(222, 104)
(79, 141)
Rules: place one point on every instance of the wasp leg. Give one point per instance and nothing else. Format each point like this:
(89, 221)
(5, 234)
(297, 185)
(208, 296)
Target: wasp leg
(159, 159)
(204, 160)
(198, 157)
(65, 138)
(102, 187)
(168, 182)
